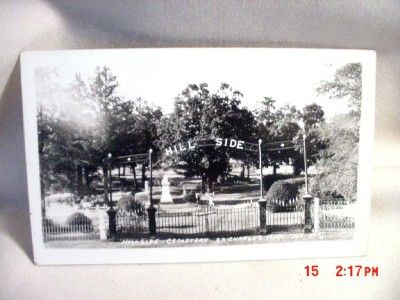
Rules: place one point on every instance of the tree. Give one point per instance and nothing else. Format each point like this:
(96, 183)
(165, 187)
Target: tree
(278, 125)
(347, 84)
(79, 124)
(54, 135)
(282, 124)
(312, 117)
(74, 126)
(102, 94)
(337, 165)
(134, 129)
(199, 115)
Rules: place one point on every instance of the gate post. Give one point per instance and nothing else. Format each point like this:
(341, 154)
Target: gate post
(263, 215)
(307, 213)
(102, 224)
(316, 215)
(112, 227)
(152, 221)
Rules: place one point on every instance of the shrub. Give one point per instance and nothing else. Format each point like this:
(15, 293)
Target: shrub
(320, 191)
(142, 197)
(190, 197)
(48, 225)
(128, 203)
(125, 202)
(79, 222)
(282, 190)
(282, 194)
(269, 180)
(48, 222)
(180, 200)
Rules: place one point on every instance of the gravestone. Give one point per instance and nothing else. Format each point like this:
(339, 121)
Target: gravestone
(165, 192)
(210, 199)
(183, 191)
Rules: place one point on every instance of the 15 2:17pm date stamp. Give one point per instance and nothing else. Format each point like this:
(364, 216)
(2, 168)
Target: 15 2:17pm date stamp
(346, 271)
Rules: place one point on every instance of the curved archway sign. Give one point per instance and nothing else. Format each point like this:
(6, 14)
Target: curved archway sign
(193, 144)
(233, 143)
(217, 142)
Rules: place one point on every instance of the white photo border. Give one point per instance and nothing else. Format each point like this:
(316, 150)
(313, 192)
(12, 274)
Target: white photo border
(285, 250)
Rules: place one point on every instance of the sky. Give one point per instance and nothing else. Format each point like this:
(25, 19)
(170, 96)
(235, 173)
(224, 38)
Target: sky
(159, 75)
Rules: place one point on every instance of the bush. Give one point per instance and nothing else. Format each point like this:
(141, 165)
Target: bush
(80, 222)
(190, 197)
(48, 224)
(269, 180)
(128, 203)
(283, 193)
(321, 192)
(282, 190)
(180, 200)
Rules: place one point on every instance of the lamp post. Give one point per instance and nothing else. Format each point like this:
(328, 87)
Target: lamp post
(261, 173)
(151, 176)
(151, 210)
(307, 197)
(131, 165)
(262, 202)
(112, 225)
(109, 157)
(305, 160)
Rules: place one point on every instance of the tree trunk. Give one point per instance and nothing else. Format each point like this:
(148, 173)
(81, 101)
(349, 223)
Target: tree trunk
(296, 171)
(210, 185)
(203, 183)
(275, 167)
(79, 181)
(134, 178)
(248, 172)
(43, 194)
(119, 172)
(87, 179)
(123, 170)
(105, 183)
(297, 168)
(242, 172)
(143, 174)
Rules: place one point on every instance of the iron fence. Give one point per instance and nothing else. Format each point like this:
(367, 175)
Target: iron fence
(75, 227)
(336, 214)
(131, 224)
(210, 221)
(204, 221)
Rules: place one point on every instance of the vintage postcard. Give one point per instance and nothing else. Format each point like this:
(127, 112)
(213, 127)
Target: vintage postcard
(198, 154)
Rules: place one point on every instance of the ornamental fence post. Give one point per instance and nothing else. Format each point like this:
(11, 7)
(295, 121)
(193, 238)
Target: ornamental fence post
(307, 213)
(112, 224)
(316, 215)
(152, 221)
(263, 215)
(102, 224)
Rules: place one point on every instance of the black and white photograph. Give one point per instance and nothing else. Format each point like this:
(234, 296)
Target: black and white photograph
(224, 154)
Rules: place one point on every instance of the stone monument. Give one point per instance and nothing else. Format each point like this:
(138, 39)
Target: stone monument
(165, 192)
